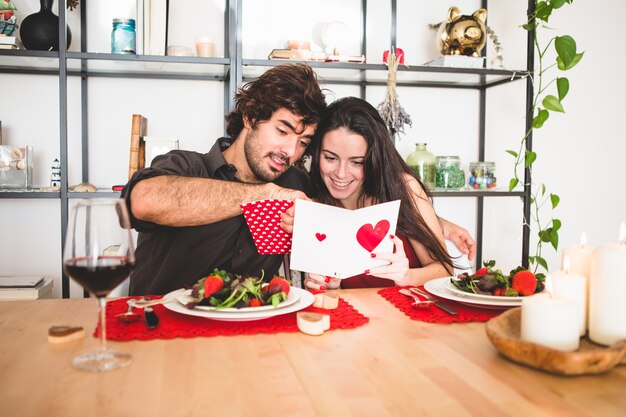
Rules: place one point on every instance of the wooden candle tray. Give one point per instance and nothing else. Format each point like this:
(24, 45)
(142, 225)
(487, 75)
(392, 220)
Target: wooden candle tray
(504, 333)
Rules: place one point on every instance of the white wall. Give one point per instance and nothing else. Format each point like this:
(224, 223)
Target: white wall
(580, 153)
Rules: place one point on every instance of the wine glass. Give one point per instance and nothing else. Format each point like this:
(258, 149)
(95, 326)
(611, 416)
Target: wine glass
(99, 255)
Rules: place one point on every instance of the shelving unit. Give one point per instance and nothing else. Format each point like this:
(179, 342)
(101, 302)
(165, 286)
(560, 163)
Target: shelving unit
(232, 70)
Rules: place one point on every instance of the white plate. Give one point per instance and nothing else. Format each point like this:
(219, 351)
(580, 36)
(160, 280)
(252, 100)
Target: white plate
(305, 299)
(438, 287)
(292, 297)
(449, 286)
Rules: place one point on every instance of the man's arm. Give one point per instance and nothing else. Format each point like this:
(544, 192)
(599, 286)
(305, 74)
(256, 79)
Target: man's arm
(460, 237)
(178, 201)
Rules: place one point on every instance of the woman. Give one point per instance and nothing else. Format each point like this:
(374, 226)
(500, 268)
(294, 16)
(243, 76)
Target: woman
(354, 165)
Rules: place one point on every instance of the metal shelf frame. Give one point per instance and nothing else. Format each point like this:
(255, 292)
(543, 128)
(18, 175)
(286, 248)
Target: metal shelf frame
(231, 70)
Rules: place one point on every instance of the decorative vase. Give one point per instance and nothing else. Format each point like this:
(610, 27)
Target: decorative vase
(40, 31)
(422, 162)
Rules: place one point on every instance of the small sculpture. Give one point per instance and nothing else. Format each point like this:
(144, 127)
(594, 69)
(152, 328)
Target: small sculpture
(462, 34)
(55, 177)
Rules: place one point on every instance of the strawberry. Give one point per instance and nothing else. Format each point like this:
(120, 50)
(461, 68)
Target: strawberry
(482, 271)
(278, 284)
(212, 284)
(499, 291)
(524, 282)
(254, 302)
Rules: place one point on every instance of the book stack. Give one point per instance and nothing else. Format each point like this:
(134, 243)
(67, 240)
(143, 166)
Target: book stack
(8, 42)
(25, 287)
(457, 61)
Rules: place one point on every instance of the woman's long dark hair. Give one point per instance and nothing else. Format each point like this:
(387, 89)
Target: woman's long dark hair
(384, 171)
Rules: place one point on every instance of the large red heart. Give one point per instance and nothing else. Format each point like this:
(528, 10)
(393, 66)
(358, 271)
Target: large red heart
(369, 237)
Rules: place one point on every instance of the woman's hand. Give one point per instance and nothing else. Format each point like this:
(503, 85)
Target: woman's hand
(460, 237)
(286, 219)
(320, 282)
(398, 268)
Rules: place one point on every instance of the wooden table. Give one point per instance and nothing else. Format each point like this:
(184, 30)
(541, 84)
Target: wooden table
(392, 366)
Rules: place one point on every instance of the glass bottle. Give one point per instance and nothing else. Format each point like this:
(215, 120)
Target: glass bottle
(449, 173)
(422, 162)
(123, 36)
(482, 175)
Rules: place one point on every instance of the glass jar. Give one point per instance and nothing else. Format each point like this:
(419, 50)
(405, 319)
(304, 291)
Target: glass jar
(449, 173)
(123, 36)
(482, 175)
(422, 163)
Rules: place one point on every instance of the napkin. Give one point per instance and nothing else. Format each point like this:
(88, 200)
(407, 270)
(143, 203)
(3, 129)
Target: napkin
(263, 218)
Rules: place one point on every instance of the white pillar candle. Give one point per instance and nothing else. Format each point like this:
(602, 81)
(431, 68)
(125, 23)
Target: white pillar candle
(572, 287)
(551, 322)
(579, 257)
(607, 289)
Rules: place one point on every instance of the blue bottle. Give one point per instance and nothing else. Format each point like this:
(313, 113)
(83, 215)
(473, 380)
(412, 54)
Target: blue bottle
(123, 36)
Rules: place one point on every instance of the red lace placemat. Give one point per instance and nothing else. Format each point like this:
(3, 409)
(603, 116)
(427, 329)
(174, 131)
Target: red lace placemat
(433, 314)
(172, 324)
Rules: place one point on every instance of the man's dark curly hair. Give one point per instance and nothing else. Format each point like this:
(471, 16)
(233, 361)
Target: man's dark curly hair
(294, 87)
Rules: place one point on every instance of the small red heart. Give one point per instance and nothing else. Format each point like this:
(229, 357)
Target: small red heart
(320, 236)
(369, 237)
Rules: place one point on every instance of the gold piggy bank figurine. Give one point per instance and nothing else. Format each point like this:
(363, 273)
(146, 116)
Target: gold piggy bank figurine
(462, 34)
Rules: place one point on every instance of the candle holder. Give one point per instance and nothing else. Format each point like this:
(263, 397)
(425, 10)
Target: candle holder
(504, 332)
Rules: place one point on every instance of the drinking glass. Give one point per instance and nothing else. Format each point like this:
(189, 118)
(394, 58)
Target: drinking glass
(99, 255)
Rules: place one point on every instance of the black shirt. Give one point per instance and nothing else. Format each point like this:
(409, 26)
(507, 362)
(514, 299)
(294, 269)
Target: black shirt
(169, 258)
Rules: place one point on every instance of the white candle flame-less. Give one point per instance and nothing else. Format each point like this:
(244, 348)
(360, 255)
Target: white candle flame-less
(550, 322)
(607, 286)
(579, 257)
(572, 287)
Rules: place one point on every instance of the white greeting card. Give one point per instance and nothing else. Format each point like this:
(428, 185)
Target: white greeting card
(337, 242)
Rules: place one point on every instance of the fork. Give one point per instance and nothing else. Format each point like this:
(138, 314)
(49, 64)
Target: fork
(417, 303)
(441, 304)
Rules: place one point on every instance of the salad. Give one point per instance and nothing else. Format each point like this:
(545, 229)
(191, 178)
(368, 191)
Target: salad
(491, 281)
(223, 289)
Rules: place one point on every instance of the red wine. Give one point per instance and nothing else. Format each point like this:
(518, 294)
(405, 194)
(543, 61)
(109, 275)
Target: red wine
(99, 276)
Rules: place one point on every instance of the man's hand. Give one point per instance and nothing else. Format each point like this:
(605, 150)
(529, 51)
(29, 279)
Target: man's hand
(460, 237)
(286, 219)
(187, 201)
(273, 191)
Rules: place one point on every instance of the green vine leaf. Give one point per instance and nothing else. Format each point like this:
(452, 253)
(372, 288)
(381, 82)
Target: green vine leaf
(542, 262)
(554, 239)
(512, 153)
(556, 224)
(530, 158)
(562, 85)
(571, 65)
(543, 11)
(513, 183)
(556, 4)
(543, 190)
(552, 103)
(565, 48)
(540, 119)
(554, 199)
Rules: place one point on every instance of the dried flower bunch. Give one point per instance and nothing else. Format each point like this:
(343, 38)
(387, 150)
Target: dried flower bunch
(390, 109)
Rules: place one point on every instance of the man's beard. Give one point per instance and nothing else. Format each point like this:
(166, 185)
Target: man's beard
(256, 160)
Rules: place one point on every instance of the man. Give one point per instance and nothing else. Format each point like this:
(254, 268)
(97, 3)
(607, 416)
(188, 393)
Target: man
(186, 206)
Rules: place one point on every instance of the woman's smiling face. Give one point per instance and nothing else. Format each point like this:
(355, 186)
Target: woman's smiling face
(341, 165)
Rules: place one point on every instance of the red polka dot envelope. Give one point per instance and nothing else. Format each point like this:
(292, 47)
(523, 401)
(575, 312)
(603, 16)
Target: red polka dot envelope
(263, 218)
